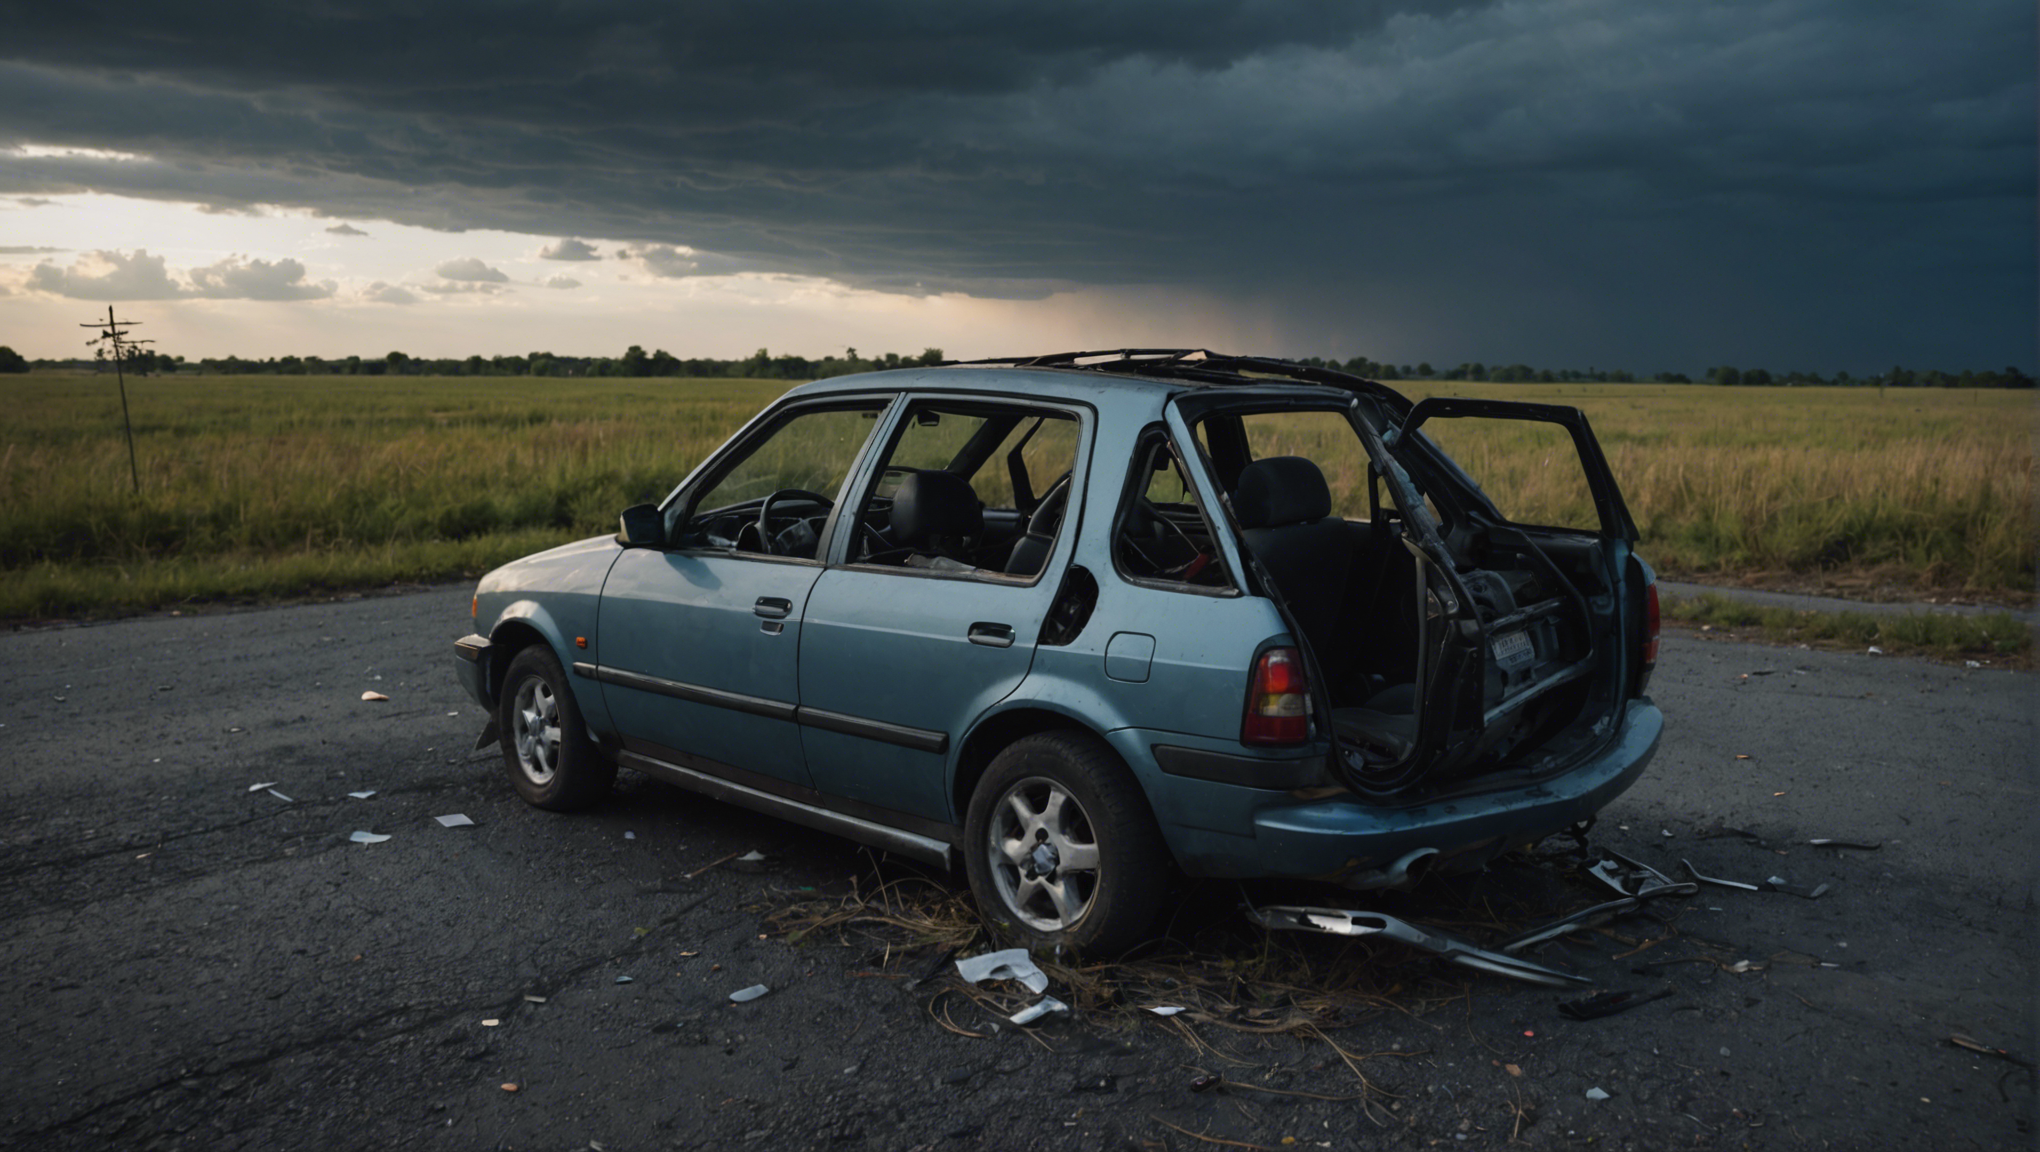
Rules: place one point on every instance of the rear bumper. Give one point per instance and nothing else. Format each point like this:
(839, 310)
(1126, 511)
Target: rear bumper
(1337, 838)
(471, 666)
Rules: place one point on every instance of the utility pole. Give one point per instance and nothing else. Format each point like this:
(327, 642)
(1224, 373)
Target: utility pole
(114, 333)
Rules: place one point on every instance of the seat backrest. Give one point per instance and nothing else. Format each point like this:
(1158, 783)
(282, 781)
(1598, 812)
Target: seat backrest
(1284, 509)
(931, 507)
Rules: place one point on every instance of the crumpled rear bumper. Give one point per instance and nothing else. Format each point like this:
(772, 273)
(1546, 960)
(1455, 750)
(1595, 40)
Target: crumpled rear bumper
(471, 665)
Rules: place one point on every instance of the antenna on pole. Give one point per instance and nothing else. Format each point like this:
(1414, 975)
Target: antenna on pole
(114, 332)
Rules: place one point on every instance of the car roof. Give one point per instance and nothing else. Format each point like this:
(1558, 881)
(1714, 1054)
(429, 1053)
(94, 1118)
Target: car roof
(1154, 372)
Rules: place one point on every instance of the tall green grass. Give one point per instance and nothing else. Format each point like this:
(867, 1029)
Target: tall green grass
(261, 487)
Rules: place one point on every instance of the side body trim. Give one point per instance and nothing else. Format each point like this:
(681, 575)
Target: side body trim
(919, 739)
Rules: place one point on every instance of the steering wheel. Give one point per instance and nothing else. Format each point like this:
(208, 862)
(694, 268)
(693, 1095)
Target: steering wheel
(765, 511)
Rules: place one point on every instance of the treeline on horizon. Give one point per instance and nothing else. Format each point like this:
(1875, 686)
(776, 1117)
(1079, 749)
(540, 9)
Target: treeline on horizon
(763, 365)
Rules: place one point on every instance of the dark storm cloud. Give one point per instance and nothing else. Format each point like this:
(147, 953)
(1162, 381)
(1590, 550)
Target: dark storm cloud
(569, 249)
(1830, 180)
(346, 230)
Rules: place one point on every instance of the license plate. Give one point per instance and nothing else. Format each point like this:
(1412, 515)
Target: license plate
(1514, 651)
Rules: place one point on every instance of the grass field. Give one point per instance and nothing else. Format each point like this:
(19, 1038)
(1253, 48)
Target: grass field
(264, 487)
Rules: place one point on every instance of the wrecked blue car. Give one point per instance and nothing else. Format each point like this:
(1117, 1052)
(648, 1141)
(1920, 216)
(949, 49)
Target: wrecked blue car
(1086, 623)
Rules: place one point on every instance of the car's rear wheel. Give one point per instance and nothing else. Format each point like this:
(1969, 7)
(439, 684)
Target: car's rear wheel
(546, 750)
(1061, 848)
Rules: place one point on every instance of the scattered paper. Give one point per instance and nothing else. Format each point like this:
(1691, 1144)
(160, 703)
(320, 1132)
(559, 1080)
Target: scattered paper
(373, 696)
(1030, 1015)
(746, 995)
(261, 786)
(630, 835)
(362, 795)
(490, 1023)
(530, 999)
(751, 857)
(1166, 1010)
(1009, 964)
(367, 838)
(1596, 1094)
(457, 820)
(280, 796)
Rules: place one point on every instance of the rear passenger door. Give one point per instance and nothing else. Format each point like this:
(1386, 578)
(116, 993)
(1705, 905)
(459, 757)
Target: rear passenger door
(901, 647)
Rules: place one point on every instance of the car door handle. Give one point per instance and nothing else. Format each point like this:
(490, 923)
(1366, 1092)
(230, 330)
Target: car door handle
(992, 635)
(772, 607)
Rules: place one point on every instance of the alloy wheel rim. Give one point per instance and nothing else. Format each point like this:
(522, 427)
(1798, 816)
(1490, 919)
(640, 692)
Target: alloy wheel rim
(1043, 853)
(535, 728)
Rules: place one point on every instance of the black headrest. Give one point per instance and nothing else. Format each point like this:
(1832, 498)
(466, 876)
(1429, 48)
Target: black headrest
(935, 503)
(1281, 490)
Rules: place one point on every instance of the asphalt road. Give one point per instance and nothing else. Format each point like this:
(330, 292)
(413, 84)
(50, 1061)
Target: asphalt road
(192, 964)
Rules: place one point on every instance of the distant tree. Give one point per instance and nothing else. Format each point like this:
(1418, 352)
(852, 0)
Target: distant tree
(930, 357)
(12, 361)
(396, 362)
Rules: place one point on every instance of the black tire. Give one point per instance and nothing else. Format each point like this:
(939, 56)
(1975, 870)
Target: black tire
(1061, 848)
(546, 750)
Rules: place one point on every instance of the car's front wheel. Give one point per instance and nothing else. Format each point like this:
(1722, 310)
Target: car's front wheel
(546, 749)
(1062, 850)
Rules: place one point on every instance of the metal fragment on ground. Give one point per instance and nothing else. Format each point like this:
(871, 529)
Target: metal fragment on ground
(1343, 922)
(746, 995)
(261, 786)
(1780, 884)
(1630, 877)
(1695, 874)
(1008, 964)
(281, 796)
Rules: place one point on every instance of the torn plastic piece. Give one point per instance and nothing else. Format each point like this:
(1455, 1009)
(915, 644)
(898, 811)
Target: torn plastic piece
(1865, 845)
(1780, 884)
(373, 696)
(1047, 1005)
(1633, 877)
(1009, 964)
(362, 795)
(624, 979)
(1586, 918)
(1608, 1003)
(751, 857)
(367, 838)
(1166, 1010)
(1695, 874)
(457, 820)
(746, 995)
(281, 796)
(1341, 922)
(1596, 1094)
(261, 786)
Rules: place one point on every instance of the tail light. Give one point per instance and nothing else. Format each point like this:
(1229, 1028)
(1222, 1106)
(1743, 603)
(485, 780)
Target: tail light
(1647, 644)
(1278, 700)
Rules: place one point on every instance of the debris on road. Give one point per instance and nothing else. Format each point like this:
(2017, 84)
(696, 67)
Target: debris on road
(1608, 1003)
(1630, 877)
(1695, 874)
(456, 820)
(373, 696)
(1166, 1010)
(1342, 922)
(1780, 884)
(1961, 1041)
(746, 995)
(281, 796)
(1009, 964)
(363, 795)
(367, 838)
(1596, 1094)
(261, 786)
(1047, 1005)
(1584, 919)
(1865, 845)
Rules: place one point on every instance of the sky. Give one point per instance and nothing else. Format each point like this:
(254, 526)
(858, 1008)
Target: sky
(1792, 184)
